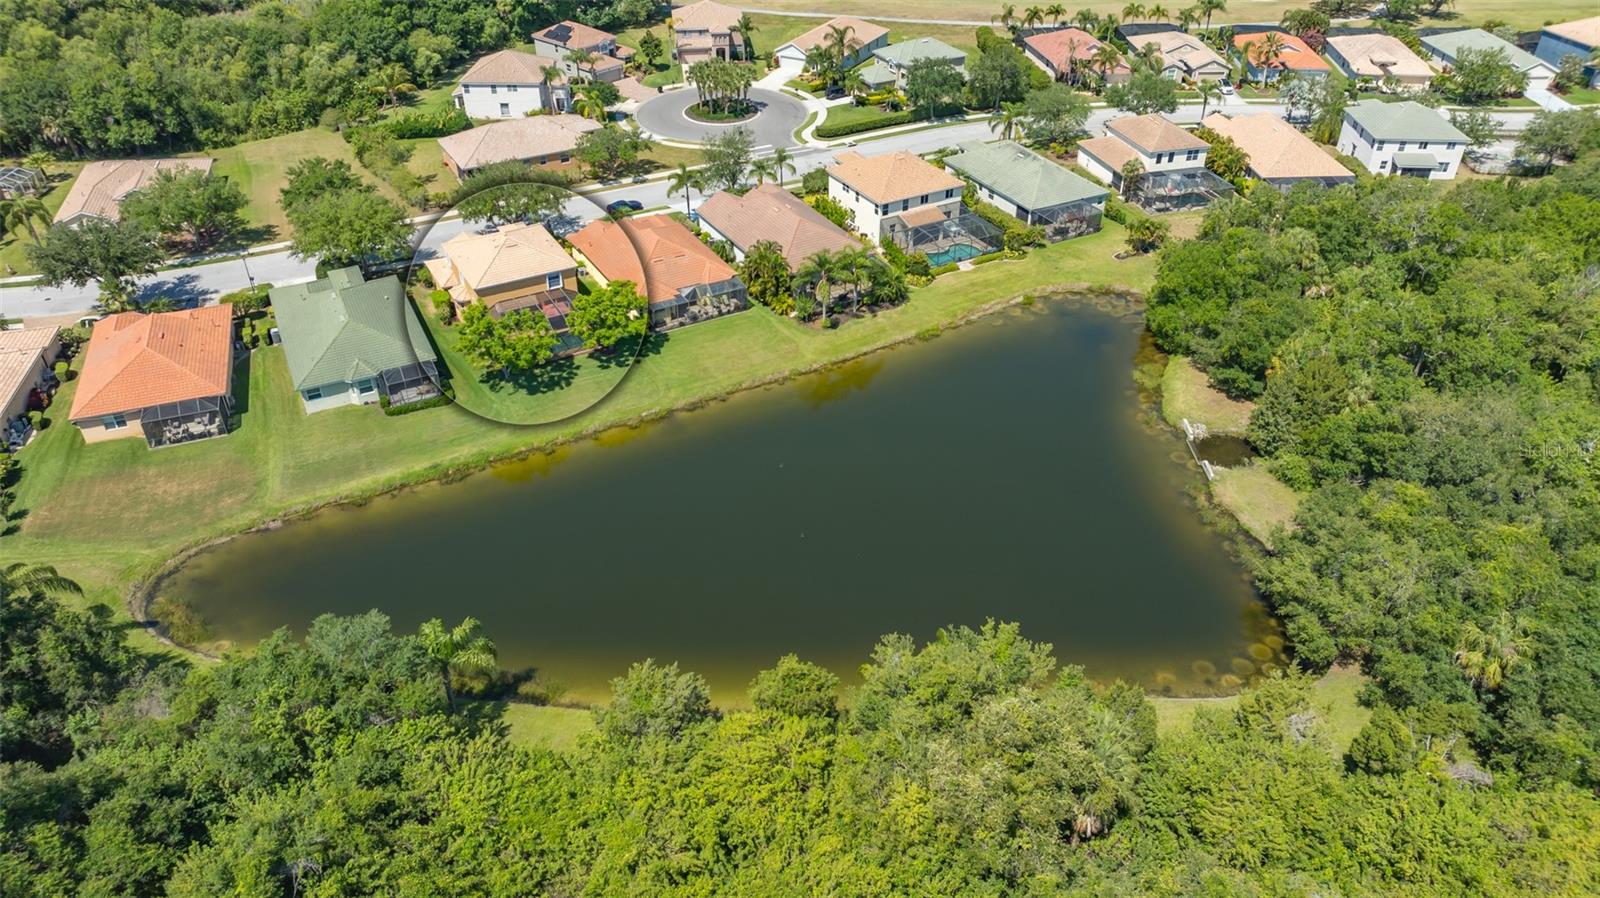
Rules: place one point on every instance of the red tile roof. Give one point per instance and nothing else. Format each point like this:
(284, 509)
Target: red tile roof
(654, 251)
(1056, 47)
(136, 360)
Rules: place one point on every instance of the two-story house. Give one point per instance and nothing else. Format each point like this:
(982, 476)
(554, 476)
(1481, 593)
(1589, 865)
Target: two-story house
(894, 192)
(1578, 38)
(1402, 138)
(706, 30)
(606, 57)
(1171, 167)
(512, 84)
(519, 266)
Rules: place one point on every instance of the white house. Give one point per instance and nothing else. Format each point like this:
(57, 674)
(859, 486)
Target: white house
(1444, 48)
(1402, 138)
(607, 57)
(511, 84)
(893, 192)
(1159, 145)
(864, 38)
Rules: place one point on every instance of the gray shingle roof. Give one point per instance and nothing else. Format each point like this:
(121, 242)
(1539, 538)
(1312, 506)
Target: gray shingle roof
(1402, 120)
(1452, 43)
(341, 329)
(1021, 175)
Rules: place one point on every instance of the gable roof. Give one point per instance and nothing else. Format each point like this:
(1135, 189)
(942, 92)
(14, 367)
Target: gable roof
(1580, 31)
(769, 212)
(707, 15)
(1021, 175)
(1297, 55)
(1153, 134)
(653, 251)
(1276, 149)
(21, 359)
(1064, 44)
(1453, 42)
(1402, 120)
(507, 67)
(862, 32)
(510, 255)
(517, 138)
(891, 176)
(1378, 55)
(1115, 153)
(102, 186)
(906, 52)
(344, 329)
(1177, 48)
(137, 359)
(574, 35)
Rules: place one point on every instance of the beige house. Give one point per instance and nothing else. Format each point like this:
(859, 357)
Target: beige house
(101, 187)
(607, 56)
(520, 266)
(1184, 57)
(509, 84)
(546, 140)
(771, 213)
(706, 30)
(864, 38)
(893, 192)
(1279, 154)
(1379, 57)
(25, 360)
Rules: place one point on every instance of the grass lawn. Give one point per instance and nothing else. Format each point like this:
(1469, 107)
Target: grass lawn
(546, 726)
(427, 163)
(1583, 96)
(259, 168)
(110, 514)
(1186, 392)
(1260, 501)
(14, 246)
(850, 114)
(1333, 696)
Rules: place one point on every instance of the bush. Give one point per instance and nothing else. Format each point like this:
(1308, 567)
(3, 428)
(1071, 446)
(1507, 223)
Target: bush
(63, 371)
(887, 120)
(395, 411)
(414, 125)
(443, 308)
(986, 258)
(832, 210)
(250, 299)
(814, 182)
(182, 623)
(946, 268)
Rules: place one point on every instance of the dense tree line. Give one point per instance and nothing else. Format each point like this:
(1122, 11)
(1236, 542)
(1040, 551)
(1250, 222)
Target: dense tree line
(1426, 364)
(971, 766)
(99, 78)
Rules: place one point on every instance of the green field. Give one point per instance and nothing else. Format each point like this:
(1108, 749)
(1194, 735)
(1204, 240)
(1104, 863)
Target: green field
(849, 114)
(1333, 696)
(546, 726)
(259, 168)
(1186, 392)
(110, 514)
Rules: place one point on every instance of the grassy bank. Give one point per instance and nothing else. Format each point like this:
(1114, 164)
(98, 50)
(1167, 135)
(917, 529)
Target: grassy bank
(1333, 696)
(109, 515)
(1258, 500)
(1186, 393)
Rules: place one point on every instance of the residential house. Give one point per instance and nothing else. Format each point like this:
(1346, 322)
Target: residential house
(25, 370)
(1032, 188)
(101, 186)
(771, 213)
(546, 140)
(1402, 138)
(519, 266)
(706, 30)
(164, 376)
(865, 39)
(1184, 57)
(1446, 47)
(1295, 56)
(607, 57)
(510, 84)
(1579, 38)
(1172, 163)
(1279, 154)
(896, 59)
(1068, 54)
(16, 181)
(349, 341)
(684, 280)
(1380, 58)
(893, 192)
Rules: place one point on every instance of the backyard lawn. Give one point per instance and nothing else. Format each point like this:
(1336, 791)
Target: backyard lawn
(260, 169)
(14, 247)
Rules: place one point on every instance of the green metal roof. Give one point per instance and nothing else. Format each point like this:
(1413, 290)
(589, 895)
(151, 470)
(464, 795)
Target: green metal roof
(1402, 120)
(1415, 160)
(1021, 175)
(1450, 45)
(876, 74)
(908, 51)
(341, 329)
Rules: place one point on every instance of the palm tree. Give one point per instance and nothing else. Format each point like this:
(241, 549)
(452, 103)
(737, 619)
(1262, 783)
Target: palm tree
(1188, 17)
(819, 61)
(1158, 13)
(1086, 19)
(1106, 28)
(1105, 58)
(1208, 91)
(580, 59)
(1131, 172)
(549, 74)
(24, 211)
(40, 160)
(1008, 121)
(463, 648)
(1055, 11)
(685, 180)
(762, 169)
(1032, 16)
(1488, 656)
(854, 265)
(1007, 15)
(782, 164)
(820, 269)
(1132, 11)
(1264, 51)
(34, 579)
(1210, 6)
(745, 29)
(841, 42)
(588, 104)
(390, 81)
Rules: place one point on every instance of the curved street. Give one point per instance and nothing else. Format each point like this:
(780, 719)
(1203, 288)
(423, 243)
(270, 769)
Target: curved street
(773, 126)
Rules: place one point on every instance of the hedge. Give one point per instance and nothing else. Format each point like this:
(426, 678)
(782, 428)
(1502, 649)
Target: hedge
(888, 120)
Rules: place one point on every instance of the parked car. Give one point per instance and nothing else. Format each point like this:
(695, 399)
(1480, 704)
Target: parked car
(1225, 88)
(624, 207)
(834, 93)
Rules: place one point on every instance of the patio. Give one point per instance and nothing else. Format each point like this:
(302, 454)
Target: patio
(186, 421)
(955, 239)
(1175, 191)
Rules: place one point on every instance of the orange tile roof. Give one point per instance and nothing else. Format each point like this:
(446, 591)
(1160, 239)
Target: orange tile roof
(136, 360)
(891, 176)
(770, 212)
(1296, 55)
(1057, 47)
(654, 251)
(1152, 133)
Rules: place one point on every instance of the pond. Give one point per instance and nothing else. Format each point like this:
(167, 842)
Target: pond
(1004, 470)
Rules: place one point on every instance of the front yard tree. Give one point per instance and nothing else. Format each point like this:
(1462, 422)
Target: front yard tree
(605, 317)
(1145, 91)
(609, 152)
(1478, 125)
(463, 648)
(1054, 115)
(685, 180)
(190, 206)
(1553, 136)
(766, 275)
(314, 176)
(510, 191)
(114, 253)
(932, 84)
(650, 48)
(26, 212)
(1482, 76)
(346, 227)
(728, 158)
(1000, 75)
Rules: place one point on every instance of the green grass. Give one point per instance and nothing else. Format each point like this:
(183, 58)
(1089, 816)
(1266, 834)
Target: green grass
(1259, 501)
(110, 514)
(546, 726)
(14, 246)
(260, 169)
(850, 114)
(1333, 696)
(1186, 392)
(1583, 96)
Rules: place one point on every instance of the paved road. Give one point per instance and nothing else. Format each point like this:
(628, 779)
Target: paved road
(867, 15)
(773, 126)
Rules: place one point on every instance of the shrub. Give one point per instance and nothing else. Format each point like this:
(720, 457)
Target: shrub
(182, 623)
(414, 125)
(395, 411)
(946, 268)
(832, 210)
(63, 371)
(986, 258)
(443, 308)
(887, 120)
(814, 182)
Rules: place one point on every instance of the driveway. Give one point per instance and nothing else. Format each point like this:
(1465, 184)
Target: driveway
(773, 125)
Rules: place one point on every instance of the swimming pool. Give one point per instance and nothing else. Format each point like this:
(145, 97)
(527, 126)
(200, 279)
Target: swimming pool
(960, 252)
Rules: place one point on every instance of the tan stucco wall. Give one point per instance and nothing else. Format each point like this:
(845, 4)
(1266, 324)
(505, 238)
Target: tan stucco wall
(95, 432)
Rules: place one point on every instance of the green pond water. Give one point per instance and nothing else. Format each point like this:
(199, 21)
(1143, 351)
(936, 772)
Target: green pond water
(1005, 470)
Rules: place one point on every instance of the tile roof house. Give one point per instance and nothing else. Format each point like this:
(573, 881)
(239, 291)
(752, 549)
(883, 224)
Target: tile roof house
(684, 280)
(1578, 38)
(897, 58)
(562, 38)
(165, 376)
(1172, 162)
(101, 186)
(1184, 57)
(1402, 138)
(538, 140)
(1447, 46)
(509, 84)
(348, 342)
(705, 30)
(1279, 154)
(519, 266)
(880, 190)
(1056, 51)
(1379, 57)
(771, 213)
(865, 37)
(25, 359)
(1032, 188)
(1295, 55)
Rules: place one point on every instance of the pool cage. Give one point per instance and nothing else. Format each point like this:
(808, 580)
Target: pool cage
(948, 237)
(1173, 191)
(185, 421)
(1068, 220)
(410, 383)
(699, 302)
